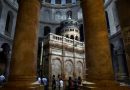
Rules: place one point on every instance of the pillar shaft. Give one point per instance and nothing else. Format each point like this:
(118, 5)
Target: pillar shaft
(123, 10)
(24, 53)
(97, 44)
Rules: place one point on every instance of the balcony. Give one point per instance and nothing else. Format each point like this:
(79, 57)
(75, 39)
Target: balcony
(53, 38)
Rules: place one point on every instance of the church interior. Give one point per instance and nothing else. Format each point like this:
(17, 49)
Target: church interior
(89, 39)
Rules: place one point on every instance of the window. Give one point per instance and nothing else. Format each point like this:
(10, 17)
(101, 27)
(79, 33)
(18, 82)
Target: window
(68, 1)
(71, 37)
(9, 23)
(58, 1)
(67, 36)
(76, 30)
(48, 1)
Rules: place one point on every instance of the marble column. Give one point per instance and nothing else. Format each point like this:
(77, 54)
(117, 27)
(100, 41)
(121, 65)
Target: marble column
(98, 58)
(123, 9)
(24, 53)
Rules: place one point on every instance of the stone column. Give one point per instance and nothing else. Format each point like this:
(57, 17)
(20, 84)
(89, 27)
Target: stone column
(97, 47)
(123, 9)
(24, 54)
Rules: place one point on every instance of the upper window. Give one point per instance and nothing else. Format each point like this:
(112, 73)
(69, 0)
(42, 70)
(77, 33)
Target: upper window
(48, 1)
(9, 23)
(58, 1)
(68, 1)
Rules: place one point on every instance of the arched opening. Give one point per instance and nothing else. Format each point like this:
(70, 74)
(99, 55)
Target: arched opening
(72, 37)
(69, 14)
(69, 69)
(56, 67)
(47, 30)
(9, 23)
(76, 38)
(67, 36)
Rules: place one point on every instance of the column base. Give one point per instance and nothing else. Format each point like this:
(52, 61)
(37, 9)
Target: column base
(103, 85)
(23, 86)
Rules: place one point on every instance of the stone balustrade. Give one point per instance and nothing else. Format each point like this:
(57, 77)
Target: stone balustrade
(61, 39)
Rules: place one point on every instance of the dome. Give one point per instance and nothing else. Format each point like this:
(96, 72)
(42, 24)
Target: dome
(70, 29)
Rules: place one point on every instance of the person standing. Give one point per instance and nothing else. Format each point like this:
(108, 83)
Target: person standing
(61, 84)
(45, 82)
(53, 82)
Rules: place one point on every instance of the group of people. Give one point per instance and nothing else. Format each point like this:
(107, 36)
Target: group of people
(43, 80)
(74, 84)
(57, 84)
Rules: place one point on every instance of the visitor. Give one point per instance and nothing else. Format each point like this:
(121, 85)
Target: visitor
(79, 82)
(70, 84)
(39, 80)
(61, 85)
(53, 83)
(2, 79)
(75, 84)
(45, 82)
(58, 82)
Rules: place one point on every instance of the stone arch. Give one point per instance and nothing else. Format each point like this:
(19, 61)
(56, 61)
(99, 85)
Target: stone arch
(79, 69)
(72, 37)
(69, 68)
(47, 30)
(76, 38)
(56, 66)
(9, 23)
